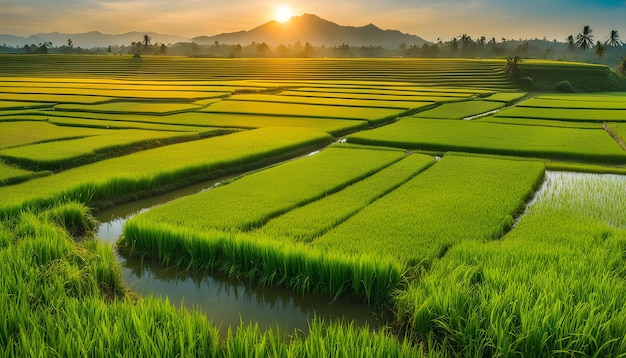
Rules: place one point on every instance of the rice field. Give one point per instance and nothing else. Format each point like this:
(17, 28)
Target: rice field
(553, 285)
(63, 154)
(460, 110)
(594, 145)
(453, 226)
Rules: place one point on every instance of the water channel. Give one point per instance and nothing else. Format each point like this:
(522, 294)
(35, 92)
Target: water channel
(224, 301)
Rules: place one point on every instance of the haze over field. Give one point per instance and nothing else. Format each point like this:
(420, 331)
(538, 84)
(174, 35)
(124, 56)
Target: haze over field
(429, 19)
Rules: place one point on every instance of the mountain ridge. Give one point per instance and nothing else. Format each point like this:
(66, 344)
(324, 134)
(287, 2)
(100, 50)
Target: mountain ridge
(316, 31)
(305, 28)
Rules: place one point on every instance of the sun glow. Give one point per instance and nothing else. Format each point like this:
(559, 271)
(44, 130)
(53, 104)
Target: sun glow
(283, 13)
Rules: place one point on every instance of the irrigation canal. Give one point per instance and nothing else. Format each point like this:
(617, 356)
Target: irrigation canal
(226, 302)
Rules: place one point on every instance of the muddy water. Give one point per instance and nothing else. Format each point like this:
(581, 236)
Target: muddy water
(225, 302)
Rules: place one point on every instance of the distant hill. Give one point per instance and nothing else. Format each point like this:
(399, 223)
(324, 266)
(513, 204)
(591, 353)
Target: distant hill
(89, 39)
(316, 31)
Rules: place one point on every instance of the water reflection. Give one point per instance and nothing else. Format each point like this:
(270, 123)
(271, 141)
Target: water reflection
(225, 301)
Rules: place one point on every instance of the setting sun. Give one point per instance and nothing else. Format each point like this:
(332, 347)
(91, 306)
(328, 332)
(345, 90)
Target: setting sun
(283, 13)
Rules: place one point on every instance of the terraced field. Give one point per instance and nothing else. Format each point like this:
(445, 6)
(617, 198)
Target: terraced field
(416, 186)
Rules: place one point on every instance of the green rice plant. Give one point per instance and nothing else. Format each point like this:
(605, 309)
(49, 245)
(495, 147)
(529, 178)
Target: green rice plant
(506, 97)
(13, 134)
(584, 168)
(161, 167)
(254, 199)
(9, 105)
(595, 97)
(386, 92)
(565, 114)
(332, 126)
(65, 94)
(60, 155)
(460, 110)
(417, 97)
(309, 221)
(49, 99)
(118, 124)
(13, 175)
(540, 122)
(460, 198)
(480, 137)
(578, 102)
(618, 132)
(372, 115)
(523, 295)
(341, 102)
(130, 107)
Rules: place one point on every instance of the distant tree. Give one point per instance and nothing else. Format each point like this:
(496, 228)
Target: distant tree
(621, 69)
(454, 46)
(600, 49)
(512, 68)
(163, 50)
(70, 44)
(308, 50)
(522, 49)
(571, 43)
(262, 49)
(109, 49)
(466, 40)
(613, 40)
(584, 40)
(146, 42)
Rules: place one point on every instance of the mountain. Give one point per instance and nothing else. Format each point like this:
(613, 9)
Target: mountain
(89, 39)
(316, 31)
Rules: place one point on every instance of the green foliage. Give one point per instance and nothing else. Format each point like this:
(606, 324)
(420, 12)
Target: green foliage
(13, 134)
(341, 102)
(161, 167)
(460, 198)
(564, 87)
(565, 114)
(524, 295)
(490, 138)
(506, 97)
(61, 155)
(584, 77)
(129, 107)
(309, 221)
(460, 110)
(526, 82)
(250, 201)
(302, 110)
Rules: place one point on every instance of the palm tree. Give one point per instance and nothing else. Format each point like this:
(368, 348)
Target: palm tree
(146, 42)
(512, 68)
(585, 40)
(571, 44)
(613, 40)
(600, 49)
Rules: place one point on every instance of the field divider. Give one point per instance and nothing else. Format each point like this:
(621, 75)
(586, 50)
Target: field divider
(614, 135)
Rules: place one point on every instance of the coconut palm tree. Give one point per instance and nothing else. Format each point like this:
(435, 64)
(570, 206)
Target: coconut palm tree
(571, 43)
(512, 68)
(600, 50)
(613, 40)
(585, 39)
(146, 42)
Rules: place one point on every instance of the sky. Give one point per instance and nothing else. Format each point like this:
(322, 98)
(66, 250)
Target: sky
(430, 19)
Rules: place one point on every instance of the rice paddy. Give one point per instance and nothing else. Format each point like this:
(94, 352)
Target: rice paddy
(454, 226)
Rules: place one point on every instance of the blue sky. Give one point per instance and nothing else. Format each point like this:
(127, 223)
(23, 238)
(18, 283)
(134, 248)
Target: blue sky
(431, 19)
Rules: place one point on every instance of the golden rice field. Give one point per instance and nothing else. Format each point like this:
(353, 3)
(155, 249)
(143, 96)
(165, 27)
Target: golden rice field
(488, 220)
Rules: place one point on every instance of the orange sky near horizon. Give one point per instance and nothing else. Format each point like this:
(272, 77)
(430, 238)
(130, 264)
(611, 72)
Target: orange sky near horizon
(429, 19)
